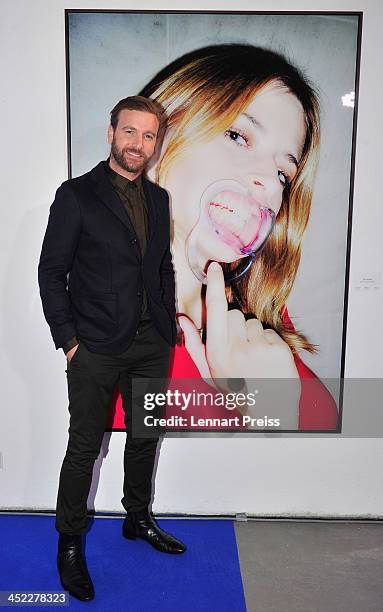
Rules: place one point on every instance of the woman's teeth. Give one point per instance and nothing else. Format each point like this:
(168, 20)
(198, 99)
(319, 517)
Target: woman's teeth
(234, 214)
(232, 221)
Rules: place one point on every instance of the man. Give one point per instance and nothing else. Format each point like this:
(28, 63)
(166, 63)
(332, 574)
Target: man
(107, 287)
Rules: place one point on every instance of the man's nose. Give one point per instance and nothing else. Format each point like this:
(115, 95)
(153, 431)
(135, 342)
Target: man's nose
(138, 141)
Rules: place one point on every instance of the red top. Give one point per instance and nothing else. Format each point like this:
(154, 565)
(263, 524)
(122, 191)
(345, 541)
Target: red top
(317, 408)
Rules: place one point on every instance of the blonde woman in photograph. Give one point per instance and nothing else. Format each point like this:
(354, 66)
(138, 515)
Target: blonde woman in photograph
(242, 138)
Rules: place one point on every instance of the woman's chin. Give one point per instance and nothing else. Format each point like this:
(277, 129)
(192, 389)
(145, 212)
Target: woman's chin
(222, 253)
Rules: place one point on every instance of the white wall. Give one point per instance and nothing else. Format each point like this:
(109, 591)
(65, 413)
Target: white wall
(280, 476)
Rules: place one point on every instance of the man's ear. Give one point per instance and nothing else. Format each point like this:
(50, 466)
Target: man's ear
(110, 133)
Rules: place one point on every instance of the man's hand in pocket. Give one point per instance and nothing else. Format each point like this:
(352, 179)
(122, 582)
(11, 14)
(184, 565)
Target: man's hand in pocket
(71, 352)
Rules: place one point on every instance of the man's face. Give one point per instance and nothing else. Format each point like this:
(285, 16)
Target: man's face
(134, 140)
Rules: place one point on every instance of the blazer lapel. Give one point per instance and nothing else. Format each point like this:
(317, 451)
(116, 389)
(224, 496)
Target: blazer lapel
(109, 197)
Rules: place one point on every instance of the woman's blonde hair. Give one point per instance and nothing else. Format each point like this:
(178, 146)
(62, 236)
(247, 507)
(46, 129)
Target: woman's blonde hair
(202, 93)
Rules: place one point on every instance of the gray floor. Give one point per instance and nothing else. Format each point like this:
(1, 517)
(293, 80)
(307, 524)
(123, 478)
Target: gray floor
(318, 566)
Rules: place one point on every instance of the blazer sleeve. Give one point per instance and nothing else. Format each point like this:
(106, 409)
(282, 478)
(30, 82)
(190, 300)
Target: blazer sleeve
(56, 259)
(167, 270)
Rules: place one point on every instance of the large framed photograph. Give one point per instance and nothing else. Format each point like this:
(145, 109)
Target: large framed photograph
(257, 158)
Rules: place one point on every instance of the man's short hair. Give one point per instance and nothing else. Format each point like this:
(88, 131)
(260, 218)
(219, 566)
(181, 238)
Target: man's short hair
(137, 103)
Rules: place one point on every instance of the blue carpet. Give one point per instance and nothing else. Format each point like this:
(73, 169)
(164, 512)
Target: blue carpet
(129, 575)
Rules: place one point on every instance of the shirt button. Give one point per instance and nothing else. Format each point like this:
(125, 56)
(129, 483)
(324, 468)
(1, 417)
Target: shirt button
(139, 293)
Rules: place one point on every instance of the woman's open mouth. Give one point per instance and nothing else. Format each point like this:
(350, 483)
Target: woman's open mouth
(231, 215)
(239, 220)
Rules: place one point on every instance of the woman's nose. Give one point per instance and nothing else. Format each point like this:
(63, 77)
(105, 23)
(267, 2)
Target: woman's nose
(264, 183)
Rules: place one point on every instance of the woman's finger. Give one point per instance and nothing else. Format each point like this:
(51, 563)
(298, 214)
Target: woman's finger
(272, 337)
(236, 325)
(254, 329)
(216, 311)
(194, 345)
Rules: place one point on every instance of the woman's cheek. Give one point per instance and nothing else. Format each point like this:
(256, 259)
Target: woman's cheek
(185, 208)
(276, 203)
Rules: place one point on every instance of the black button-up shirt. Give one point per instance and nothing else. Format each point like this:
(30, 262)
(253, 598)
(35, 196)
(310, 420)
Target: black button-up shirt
(132, 196)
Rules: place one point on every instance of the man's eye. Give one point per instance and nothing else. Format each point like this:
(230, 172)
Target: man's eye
(238, 138)
(149, 137)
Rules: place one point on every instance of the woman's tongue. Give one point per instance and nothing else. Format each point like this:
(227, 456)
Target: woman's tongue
(236, 218)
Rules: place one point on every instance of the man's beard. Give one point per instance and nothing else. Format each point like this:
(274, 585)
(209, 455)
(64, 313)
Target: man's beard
(131, 165)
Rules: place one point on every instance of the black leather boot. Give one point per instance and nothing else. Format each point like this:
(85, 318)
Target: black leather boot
(72, 567)
(142, 525)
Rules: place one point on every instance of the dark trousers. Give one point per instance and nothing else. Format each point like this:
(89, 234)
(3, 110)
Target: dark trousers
(92, 379)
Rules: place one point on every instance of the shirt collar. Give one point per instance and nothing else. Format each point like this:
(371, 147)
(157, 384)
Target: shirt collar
(123, 184)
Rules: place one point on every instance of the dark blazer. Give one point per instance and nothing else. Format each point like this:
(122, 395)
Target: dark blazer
(91, 272)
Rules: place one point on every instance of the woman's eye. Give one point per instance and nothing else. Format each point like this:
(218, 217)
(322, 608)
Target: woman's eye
(238, 138)
(283, 178)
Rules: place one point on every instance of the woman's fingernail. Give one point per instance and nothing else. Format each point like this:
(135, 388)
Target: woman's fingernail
(214, 266)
